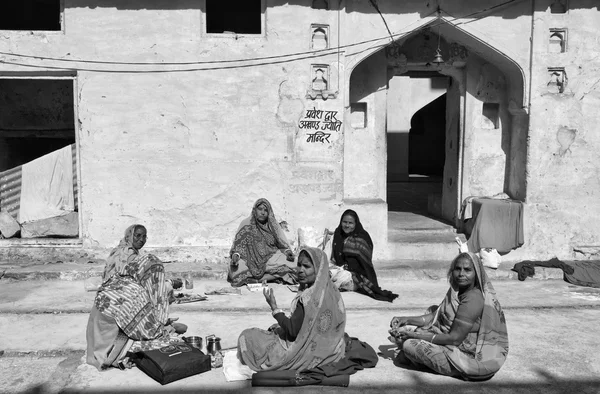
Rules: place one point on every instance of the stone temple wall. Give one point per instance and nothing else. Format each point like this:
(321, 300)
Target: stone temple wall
(187, 148)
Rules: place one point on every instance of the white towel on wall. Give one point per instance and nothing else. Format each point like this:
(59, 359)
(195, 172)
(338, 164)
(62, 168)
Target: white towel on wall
(47, 186)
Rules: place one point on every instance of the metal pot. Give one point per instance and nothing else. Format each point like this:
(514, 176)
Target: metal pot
(213, 344)
(194, 341)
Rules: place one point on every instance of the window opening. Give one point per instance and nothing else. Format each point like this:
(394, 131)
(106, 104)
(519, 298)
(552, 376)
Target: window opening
(238, 16)
(30, 15)
(38, 169)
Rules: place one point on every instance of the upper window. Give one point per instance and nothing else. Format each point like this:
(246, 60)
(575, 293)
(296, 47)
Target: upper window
(30, 15)
(237, 16)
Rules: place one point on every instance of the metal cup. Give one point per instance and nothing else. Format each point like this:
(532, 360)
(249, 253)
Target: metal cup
(213, 344)
(194, 341)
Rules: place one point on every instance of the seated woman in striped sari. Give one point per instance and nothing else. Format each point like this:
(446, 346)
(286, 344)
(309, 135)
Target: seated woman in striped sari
(466, 336)
(351, 265)
(260, 250)
(131, 305)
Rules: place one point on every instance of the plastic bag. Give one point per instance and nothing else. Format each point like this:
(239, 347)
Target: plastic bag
(462, 246)
(490, 257)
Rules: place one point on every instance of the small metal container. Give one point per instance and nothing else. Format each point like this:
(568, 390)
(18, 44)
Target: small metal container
(189, 281)
(194, 341)
(213, 344)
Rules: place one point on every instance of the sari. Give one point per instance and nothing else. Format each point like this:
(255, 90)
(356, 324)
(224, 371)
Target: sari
(260, 247)
(482, 353)
(320, 340)
(353, 252)
(131, 304)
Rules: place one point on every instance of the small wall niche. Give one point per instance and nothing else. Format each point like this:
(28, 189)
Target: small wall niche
(559, 7)
(319, 36)
(490, 116)
(320, 77)
(558, 41)
(358, 115)
(320, 83)
(557, 80)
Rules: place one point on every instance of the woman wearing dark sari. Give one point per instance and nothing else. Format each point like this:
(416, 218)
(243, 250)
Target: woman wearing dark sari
(132, 303)
(466, 336)
(352, 267)
(314, 333)
(260, 250)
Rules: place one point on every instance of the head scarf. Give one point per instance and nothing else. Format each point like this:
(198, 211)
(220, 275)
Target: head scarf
(256, 242)
(491, 345)
(118, 259)
(134, 290)
(359, 232)
(321, 337)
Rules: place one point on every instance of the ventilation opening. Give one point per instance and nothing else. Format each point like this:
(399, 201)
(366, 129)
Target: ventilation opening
(30, 15)
(38, 168)
(239, 16)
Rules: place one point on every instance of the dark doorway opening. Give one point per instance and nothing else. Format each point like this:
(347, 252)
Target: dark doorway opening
(30, 15)
(418, 149)
(239, 16)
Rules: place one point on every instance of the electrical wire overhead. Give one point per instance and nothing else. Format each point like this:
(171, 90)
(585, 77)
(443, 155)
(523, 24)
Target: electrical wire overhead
(244, 62)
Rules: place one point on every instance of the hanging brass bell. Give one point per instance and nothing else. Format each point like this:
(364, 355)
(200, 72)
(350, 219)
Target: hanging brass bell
(438, 58)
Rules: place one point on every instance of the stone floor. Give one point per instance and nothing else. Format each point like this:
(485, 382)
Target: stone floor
(552, 333)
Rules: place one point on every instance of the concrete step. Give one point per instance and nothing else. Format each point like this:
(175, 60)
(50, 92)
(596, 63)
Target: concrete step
(426, 266)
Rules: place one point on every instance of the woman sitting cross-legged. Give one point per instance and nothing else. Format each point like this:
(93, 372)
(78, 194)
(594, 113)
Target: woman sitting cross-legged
(132, 303)
(311, 343)
(313, 335)
(466, 336)
(260, 250)
(352, 266)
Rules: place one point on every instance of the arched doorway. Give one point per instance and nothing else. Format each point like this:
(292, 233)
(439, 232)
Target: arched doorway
(485, 125)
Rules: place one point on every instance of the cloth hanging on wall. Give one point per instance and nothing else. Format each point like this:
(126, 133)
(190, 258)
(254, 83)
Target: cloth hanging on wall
(47, 186)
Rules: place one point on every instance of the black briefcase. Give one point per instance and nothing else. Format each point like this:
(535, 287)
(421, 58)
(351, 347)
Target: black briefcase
(171, 363)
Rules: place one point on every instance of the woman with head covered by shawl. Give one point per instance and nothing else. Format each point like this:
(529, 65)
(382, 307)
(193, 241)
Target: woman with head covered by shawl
(466, 336)
(260, 250)
(132, 303)
(314, 334)
(352, 266)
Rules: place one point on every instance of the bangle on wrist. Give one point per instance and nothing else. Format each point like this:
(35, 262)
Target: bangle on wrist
(432, 338)
(276, 311)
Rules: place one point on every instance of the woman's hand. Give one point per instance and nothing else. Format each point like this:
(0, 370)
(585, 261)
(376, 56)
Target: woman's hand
(404, 335)
(273, 327)
(399, 321)
(290, 255)
(234, 259)
(270, 297)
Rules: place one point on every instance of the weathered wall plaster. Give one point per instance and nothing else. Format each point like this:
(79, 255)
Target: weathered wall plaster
(188, 151)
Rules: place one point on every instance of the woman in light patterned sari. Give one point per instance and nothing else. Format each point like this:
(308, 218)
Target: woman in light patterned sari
(312, 336)
(260, 250)
(466, 336)
(132, 304)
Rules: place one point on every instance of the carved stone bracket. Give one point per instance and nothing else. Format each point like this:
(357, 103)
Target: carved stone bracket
(321, 94)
